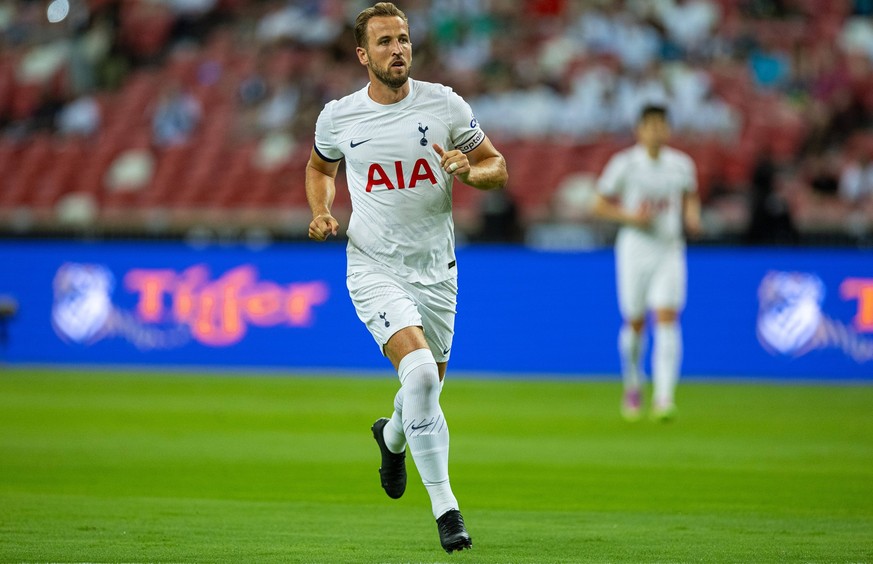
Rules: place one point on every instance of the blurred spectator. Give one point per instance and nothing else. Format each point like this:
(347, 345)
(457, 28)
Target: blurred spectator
(309, 22)
(689, 23)
(130, 171)
(273, 151)
(823, 175)
(771, 221)
(857, 35)
(862, 7)
(77, 209)
(771, 68)
(86, 42)
(176, 116)
(277, 111)
(44, 114)
(252, 88)
(765, 9)
(856, 180)
(273, 123)
(80, 117)
(499, 219)
(192, 18)
(463, 33)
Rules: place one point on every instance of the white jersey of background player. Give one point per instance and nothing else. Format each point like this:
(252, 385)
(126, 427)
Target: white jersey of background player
(651, 189)
(404, 142)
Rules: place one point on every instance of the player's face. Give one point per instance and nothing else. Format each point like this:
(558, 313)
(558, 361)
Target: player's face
(389, 51)
(653, 131)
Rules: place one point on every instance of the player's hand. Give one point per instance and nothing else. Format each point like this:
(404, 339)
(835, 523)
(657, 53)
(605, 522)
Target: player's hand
(642, 219)
(322, 226)
(692, 227)
(453, 162)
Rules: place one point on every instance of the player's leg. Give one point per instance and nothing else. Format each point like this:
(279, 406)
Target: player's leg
(427, 433)
(666, 359)
(437, 306)
(630, 345)
(424, 425)
(668, 299)
(390, 310)
(385, 306)
(392, 429)
(631, 281)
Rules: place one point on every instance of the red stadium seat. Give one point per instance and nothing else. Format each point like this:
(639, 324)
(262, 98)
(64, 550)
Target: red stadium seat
(26, 98)
(145, 27)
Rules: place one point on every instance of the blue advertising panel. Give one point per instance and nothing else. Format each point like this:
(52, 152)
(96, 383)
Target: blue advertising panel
(751, 312)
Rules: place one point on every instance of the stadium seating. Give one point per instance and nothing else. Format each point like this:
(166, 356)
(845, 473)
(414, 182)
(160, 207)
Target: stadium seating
(216, 168)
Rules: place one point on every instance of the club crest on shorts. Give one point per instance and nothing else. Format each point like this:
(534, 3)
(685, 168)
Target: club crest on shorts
(383, 316)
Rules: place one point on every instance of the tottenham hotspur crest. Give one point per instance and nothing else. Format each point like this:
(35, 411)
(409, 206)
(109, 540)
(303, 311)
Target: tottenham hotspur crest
(423, 130)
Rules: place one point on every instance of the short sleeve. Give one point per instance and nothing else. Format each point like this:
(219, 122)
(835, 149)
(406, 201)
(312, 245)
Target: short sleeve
(466, 133)
(610, 182)
(691, 168)
(325, 137)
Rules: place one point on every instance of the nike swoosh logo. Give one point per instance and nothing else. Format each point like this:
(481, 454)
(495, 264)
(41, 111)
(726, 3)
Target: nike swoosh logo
(425, 426)
(352, 144)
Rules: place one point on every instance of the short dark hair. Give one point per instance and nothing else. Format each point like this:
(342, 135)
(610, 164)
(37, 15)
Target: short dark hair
(653, 110)
(380, 9)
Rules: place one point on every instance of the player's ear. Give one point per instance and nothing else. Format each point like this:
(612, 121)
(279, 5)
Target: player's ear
(362, 55)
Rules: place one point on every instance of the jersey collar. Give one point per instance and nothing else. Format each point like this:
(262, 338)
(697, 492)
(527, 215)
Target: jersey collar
(390, 107)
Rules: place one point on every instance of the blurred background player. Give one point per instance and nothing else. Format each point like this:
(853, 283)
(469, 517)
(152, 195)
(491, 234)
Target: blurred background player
(650, 189)
(402, 274)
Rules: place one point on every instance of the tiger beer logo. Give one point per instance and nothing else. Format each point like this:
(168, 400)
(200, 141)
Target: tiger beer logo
(174, 307)
(861, 290)
(791, 320)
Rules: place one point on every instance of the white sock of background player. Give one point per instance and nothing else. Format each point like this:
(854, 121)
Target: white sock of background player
(666, 358)
(630, 347)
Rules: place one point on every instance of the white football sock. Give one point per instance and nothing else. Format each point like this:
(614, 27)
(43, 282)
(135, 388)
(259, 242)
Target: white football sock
(630, 347)
(393, 434)
(666, 358)
(427, 433)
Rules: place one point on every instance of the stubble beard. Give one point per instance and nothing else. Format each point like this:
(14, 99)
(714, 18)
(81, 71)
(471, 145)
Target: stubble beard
(389, 80)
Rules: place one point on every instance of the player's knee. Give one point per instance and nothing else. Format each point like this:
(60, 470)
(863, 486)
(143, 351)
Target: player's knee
(666, 316)
(398, 400)
(637, 324)
(424, 381)
(419, 374)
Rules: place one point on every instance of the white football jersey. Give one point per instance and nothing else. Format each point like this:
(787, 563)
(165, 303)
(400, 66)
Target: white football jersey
(638, 181)
(401, 198)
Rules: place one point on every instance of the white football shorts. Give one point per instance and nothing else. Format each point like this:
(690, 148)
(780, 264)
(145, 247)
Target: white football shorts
(649, 277)
(387, 304)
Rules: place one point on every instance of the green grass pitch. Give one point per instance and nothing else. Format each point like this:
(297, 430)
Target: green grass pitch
(137, 467)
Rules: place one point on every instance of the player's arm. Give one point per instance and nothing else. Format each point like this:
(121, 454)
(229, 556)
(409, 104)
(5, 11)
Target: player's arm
(610, 210)
(483, 167)
(691, 213)
(606, 205)
(320, 192)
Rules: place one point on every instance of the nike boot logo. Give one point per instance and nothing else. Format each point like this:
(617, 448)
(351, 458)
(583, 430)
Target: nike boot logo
(352, 144)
